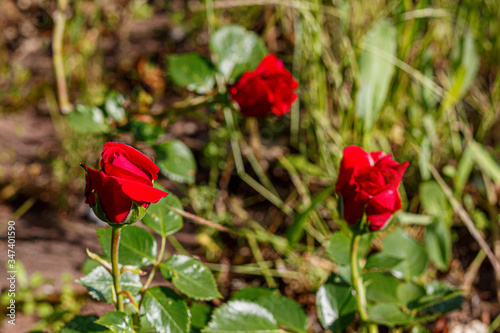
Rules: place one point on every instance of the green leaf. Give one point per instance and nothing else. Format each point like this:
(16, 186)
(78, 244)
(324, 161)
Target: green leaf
(399, 244)
(191, 71)
(89, 265)
(389, 314)
(487, 163)
(176, 161)
(236, 50)
(200, 315)
(242, 317)
(190, 276)
(382, 262)
(253, 293)
(339, 247)
(376, 71)
(143, 131)
(409, 292)
(419, 329)
(335, 304)
(296, 230)
(117, 322)
(137, 246)
(162, 219)
(465, 73)
(440, 298)
(381, 287)
(433, 199)
(464, 169)
(414, 219)
(99, 282)
(88, 120)
(302, 164)
(287, 312)
(165, 311)
(113, 106)
(438, 244)
(84, 324)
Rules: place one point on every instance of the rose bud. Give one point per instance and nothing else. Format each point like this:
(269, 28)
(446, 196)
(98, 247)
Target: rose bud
(368, 183)
(268, 88)
(122, 190)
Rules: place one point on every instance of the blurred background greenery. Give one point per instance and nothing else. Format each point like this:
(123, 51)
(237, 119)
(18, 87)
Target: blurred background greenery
(418, 79)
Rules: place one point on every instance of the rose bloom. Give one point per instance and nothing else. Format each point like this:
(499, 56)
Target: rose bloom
(368, 183)
(268, 88)
(123, 189)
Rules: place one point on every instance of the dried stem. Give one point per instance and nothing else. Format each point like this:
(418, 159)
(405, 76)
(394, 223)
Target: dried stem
(57, 56)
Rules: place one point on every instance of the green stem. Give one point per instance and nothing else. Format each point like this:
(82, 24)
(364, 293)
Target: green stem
(156, 264)
(115, 242)
(357, 283)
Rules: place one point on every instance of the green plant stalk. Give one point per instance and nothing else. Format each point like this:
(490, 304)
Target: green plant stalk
(157, 263)
(357, 283)
(115, 242)
(240, 169)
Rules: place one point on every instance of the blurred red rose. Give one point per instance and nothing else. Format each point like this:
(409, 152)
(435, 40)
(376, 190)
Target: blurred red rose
(368, 183)
(268, 88)
(123, 189)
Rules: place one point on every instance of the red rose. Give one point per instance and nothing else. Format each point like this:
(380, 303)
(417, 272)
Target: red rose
(368, 182)
(268, 88)
(123, 189)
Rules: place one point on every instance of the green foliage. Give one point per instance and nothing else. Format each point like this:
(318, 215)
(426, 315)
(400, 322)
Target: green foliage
(190, 276)
(84, 324)
(296, 230)
(137, 245)
(164, 311)
(400, 244)
(336, 304)
(200, 315)
(88, 120)
(381, 287)
(161, 219)
(287, 312)
(236, 50)
(253, 293)
(376, 69)
(143, 131)
(438, 244)
(176, 161)
(389, 314)
(244, 317)
(117, 322)
(99, 282)
(339, 247)
(192, 72)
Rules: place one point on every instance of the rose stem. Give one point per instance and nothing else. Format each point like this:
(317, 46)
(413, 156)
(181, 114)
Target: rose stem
(115, 242)
(357, 283)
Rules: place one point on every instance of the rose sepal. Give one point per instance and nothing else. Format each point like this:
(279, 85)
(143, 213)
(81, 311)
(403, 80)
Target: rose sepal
(98, 211)
(136, 213)
(360, 228)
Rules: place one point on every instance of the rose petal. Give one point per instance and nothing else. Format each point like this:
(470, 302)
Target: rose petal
(114, 202)
(119, 166)
(133, 155)
(140, 192)
(252, 95)
(353, 204)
